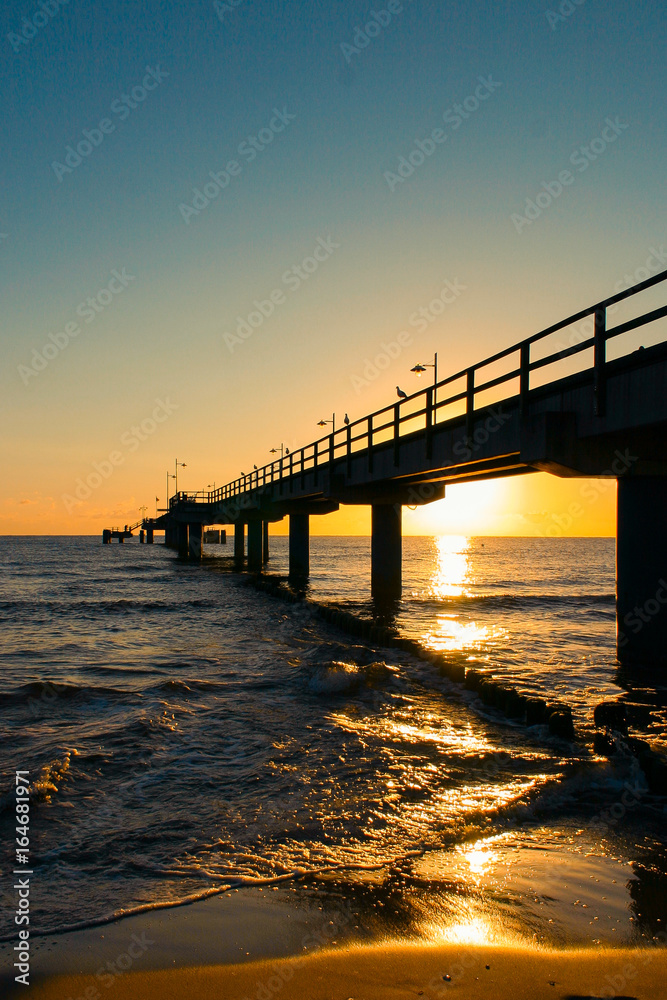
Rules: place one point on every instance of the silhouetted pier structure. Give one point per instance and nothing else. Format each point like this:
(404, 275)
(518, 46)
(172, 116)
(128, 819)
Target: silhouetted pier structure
(520, 411)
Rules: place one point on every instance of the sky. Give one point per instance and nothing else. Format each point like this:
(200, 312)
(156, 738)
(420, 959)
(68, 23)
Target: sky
(168, 168)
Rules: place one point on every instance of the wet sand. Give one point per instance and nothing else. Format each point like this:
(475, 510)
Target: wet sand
(391, 972)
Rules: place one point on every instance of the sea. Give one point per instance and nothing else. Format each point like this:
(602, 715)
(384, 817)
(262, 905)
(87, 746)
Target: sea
(187, 736)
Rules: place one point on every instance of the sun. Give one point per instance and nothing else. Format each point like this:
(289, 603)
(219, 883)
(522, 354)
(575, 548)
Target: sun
(467, 509)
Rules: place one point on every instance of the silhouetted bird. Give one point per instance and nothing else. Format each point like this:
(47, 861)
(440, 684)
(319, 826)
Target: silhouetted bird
(401, 394)
(254, 466)
(287, 451)
(346, 419)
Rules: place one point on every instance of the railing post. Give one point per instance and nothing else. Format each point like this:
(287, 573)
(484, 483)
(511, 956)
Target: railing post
(349, 451)
(600, 358)
(291, 471)
(303, 468)
(316, 473)
(397, 433)
(470, 401)
(280, 476)
(369, 434)
(429, 422)
(524, 379)
(332, 453)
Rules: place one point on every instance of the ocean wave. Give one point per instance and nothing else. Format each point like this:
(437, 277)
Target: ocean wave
(44, 784)
(121, 606)
(46, 692)
(508, 601)
(338, 677)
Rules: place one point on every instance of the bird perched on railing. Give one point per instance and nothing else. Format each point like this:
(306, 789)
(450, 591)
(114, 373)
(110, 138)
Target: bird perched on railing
(346, 420)
(400, 393)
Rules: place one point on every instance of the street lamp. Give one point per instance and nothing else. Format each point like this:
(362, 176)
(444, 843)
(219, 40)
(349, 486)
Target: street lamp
(283, 451)
(323, 423)
(169, 476)
(142, 511)
(420, 369)
(177, 465)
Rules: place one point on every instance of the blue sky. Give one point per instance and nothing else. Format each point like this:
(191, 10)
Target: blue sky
(224, 74)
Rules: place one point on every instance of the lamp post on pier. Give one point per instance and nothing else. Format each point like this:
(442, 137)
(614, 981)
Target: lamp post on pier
(323, 423)
(177, 465)
(420, 369)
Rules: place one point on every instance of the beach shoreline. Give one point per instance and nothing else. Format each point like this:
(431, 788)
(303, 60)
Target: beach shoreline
(391, 971)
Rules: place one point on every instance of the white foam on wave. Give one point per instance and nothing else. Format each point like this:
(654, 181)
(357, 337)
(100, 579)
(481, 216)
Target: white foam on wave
(335, 677)
(339, 677)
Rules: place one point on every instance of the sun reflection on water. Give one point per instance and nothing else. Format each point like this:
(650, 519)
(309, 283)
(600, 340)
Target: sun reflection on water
(453, 577)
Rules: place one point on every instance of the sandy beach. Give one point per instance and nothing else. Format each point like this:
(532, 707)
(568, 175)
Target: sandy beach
(392, 972)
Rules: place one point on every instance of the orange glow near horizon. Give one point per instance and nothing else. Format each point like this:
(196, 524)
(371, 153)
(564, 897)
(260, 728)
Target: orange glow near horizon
(534, 505)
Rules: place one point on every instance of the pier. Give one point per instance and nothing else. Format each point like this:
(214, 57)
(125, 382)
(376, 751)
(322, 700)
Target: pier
(586, 410)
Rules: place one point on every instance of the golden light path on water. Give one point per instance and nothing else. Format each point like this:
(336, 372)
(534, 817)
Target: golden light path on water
(453, 577)
(420, 742)
(453, 571)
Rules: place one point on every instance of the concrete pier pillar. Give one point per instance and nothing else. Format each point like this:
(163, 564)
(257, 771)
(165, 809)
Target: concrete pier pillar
(183, 543)
(142, 537)
(239, 541)
(641, 570)
(106, 536)
(255, 538)
(149, 536)
(265, 542)
(386, 550)
(195, 532)
(299, 546)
